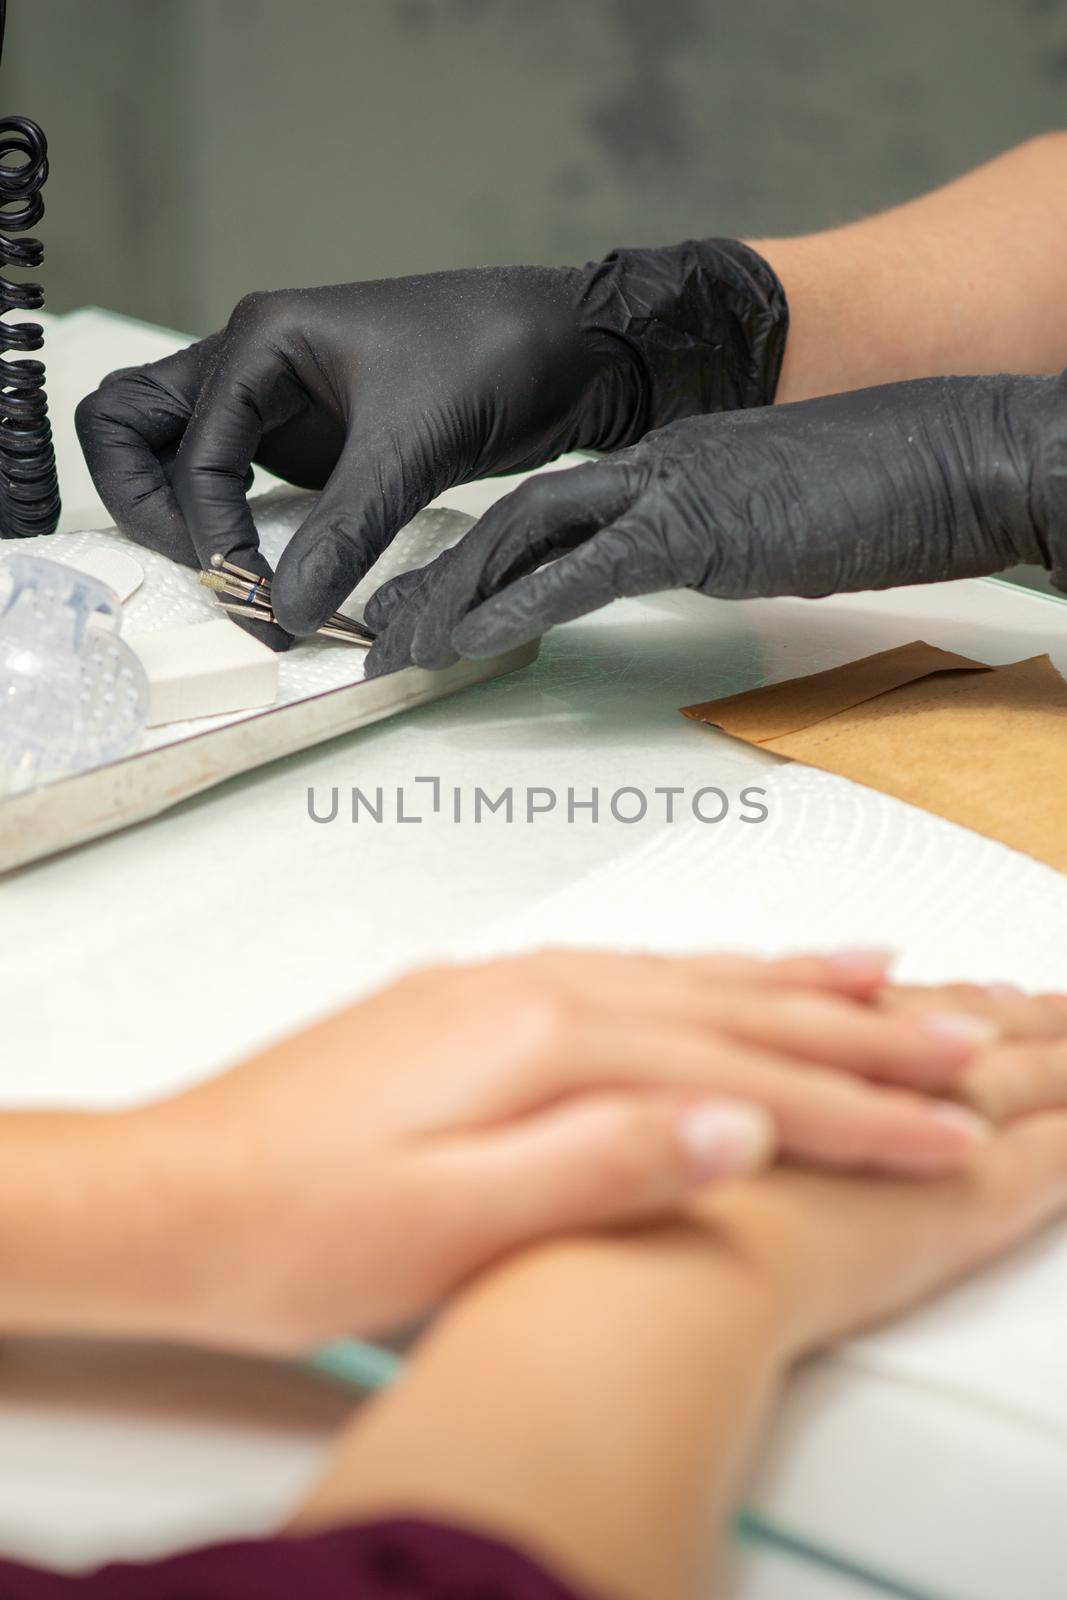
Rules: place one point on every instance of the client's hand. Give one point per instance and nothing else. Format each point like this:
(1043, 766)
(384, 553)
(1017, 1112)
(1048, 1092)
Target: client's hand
(352, 1176)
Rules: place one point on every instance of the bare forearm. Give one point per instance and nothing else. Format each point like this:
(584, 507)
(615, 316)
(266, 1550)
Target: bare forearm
(58, 1200)
(967, 279)
(593, 1401)
(101, 1223)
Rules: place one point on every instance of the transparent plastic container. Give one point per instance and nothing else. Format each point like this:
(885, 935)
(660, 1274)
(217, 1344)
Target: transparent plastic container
(72, 694)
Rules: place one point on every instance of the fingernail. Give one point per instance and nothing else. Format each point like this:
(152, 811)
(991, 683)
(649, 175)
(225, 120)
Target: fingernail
(961, 1026)
(861, 965)
(975, 1127)
(1004, 991)
(725, 1137)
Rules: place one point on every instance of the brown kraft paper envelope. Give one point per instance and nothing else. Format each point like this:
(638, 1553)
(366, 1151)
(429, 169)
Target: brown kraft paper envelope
(982, 746)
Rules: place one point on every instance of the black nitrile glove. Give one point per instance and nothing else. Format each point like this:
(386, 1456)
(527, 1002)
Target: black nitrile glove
(384, 394)
(909, 483)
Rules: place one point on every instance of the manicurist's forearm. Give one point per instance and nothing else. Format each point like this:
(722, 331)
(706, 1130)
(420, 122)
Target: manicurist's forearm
(967, 279)
(593, 1402)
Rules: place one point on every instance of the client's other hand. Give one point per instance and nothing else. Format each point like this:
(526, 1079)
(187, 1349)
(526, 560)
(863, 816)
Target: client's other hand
(839, 1253)
(843, 1253)
(1027, 1071)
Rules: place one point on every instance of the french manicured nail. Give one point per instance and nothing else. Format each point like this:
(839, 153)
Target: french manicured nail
(962, 1026)
(725, 1137)
(861, 965)
(975, 1127)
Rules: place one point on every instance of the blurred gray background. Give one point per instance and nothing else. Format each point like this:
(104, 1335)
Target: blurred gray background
(202, 148)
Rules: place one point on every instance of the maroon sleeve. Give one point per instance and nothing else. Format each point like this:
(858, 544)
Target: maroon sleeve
(395, 1560)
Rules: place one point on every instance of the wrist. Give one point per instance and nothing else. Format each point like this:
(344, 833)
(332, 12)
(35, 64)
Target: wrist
(111, 1223)
(704, 323)
(1044, 402)
(999, 443)
(678, 1289)
(188, 1225)
(757, 1229)
(81, 1223)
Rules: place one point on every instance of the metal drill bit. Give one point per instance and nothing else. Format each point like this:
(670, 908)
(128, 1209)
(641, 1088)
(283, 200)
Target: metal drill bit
(259, 613)
(344, 628)
(254, 594)
(223, 564)
(222, 583)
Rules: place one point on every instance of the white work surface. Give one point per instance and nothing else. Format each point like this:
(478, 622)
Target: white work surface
(122, 958)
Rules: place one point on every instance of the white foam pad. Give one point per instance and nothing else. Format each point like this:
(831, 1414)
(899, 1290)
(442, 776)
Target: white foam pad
(205, 669)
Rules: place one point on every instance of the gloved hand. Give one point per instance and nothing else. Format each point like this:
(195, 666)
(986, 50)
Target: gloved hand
(384, 394)
(909, 483)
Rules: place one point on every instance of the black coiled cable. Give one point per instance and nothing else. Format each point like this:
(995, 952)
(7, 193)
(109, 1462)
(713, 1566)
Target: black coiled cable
(29, 487)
